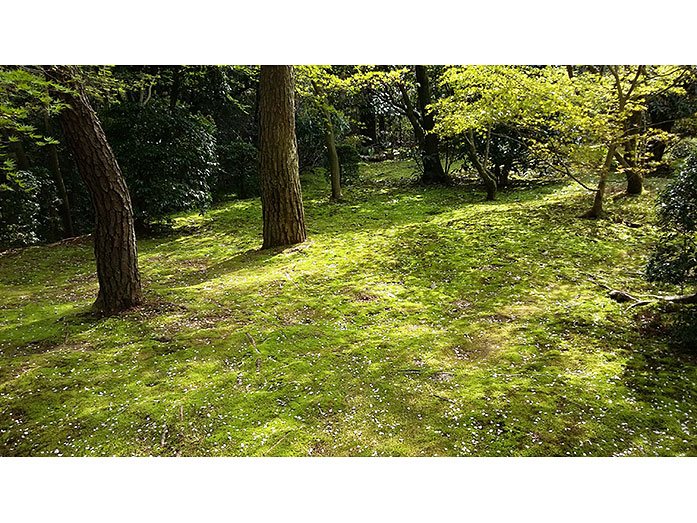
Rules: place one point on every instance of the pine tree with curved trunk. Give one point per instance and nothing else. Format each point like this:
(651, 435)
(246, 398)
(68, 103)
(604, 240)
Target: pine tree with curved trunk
(114, 234)
(281, 197)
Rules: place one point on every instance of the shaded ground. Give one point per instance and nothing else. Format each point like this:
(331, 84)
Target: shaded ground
(413, 322)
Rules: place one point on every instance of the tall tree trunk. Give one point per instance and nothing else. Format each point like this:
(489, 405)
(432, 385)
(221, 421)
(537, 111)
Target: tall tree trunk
(596, 210)
(430, 154)
(281, 198)
(54, 165)
(114, 236)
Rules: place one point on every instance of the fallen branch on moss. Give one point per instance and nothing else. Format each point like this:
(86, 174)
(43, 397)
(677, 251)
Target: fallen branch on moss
(624, 297)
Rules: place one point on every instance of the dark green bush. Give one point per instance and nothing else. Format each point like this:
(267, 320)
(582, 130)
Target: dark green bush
(674, 259)
(19, 210)
(239, 170)
(349, 159)
(168, 157)
(309, 131)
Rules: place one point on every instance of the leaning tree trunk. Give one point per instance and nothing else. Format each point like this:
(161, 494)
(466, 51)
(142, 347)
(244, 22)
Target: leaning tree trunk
(487, 176)
(114, 234)
(430, 154)
(281, 198)
(596, 210)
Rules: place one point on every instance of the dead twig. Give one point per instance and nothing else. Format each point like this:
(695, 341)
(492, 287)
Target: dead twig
(276, 444)
(254, 343)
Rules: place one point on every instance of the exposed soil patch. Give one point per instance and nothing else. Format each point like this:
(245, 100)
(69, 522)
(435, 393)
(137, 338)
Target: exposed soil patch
(474, 349)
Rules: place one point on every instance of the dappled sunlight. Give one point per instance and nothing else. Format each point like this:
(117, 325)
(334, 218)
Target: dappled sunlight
(412, 322)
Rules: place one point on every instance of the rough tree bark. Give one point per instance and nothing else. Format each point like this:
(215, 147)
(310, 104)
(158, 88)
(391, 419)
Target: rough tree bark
(114, 234)
(281, 198)
(430, 153)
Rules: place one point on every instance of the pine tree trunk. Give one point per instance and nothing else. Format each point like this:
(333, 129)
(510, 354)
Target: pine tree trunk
(430, 154)
(281, 198)
(114, 234)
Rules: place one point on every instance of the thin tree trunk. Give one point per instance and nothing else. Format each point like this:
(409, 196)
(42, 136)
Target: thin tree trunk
(430, 154)
(334, 167)
(596, 210)
(330, 142)
(54, 165)
(114, 235)
(487, 177)
(281, 198)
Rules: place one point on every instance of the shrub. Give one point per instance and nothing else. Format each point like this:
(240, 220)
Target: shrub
(674, 260)
(19, 210)
(239, 170)
(309, 130)
(349, 159)
(167, 156)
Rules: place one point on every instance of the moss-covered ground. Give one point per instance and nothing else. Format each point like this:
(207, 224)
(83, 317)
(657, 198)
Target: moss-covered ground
(414, 321)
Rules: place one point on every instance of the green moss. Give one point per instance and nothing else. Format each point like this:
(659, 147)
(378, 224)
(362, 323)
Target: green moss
(414, 321)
